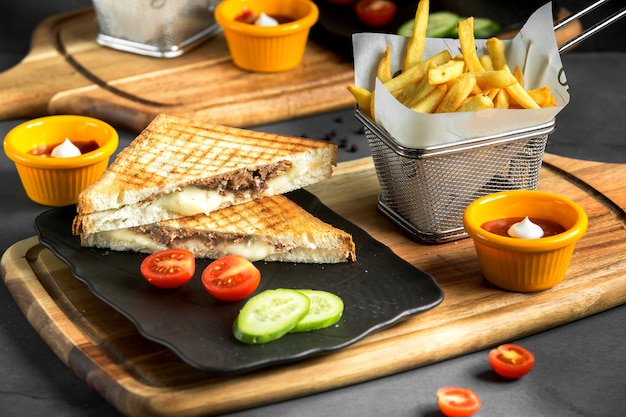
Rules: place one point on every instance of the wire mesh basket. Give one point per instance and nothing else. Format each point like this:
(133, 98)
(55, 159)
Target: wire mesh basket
(159, 28)
(425, 191)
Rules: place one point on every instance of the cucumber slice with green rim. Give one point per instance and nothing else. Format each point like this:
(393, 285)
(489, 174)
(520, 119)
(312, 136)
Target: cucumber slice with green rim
(484, 27)
(325, 310)
(442, 24)
(406, 29)
(445, 25)
(269, 315)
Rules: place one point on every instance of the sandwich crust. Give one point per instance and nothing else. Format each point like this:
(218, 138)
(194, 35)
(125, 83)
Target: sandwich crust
(173, 153)
(272, 229)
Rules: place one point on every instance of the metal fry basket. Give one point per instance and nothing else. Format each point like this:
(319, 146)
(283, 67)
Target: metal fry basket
(158, 28)
(425, 191)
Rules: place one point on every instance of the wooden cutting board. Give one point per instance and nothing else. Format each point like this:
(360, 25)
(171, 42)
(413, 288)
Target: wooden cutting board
(140, 377)
(66, 71)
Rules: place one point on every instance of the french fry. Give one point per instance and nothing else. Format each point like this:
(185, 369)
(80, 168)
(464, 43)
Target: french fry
(468, 45)
(496, 51)
(416, 72)
(464, 83)
(492, 93)
(420, 90)
(411, 75)
(461, 88)
(443, 73)
(363, 98)
(467, 100)
(519, 75)
(429, 103)
(372, 112)
(414, 92)
(439, 58)
(486, 62)
(477, 103)
(495, 79)
(521, 96)
(476, 89)
(502, 100)
(384, 66)
(543, 96)
(415, 46)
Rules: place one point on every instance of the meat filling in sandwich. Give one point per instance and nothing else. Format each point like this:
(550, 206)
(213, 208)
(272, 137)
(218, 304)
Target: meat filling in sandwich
(271, 229)
(177, 168)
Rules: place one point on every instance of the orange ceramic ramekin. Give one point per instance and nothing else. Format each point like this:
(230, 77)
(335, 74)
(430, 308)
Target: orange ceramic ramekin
(525, 265)
(58, 181)
(267, 49)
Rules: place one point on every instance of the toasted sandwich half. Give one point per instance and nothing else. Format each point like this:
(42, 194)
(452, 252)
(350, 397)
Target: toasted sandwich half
(177, 167)
(271, 229)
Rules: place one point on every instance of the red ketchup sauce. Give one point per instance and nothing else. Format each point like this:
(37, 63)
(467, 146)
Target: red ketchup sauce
(501, 226)
(247, 16)
(46, 150)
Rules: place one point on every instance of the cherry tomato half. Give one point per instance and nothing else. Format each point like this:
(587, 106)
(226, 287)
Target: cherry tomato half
(375, 12)
(169, 268)
(457, 402)
(231, 278)
(511, 361)
(246, 16)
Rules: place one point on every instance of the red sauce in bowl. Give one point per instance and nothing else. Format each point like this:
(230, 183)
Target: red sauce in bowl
(501, 226)
(247, 16)
(46, 150)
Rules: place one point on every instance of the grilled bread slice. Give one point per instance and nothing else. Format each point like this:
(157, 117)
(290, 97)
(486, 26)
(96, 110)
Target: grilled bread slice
(271, 229)
(177, 167)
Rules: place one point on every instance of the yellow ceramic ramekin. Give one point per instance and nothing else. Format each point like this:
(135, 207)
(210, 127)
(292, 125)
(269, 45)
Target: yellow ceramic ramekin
(267, 49)
(525, 265)
(58, 181)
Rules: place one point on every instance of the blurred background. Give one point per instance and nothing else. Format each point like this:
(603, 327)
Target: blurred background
(594, 68)
(18, 19)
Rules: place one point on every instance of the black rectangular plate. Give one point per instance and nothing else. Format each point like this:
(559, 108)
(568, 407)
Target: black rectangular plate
(378, 290)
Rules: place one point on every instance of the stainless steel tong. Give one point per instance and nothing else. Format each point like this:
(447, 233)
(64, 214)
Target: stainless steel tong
(590, 31)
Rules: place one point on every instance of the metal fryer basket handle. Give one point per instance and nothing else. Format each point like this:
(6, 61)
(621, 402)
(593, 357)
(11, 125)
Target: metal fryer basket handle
(590, 31)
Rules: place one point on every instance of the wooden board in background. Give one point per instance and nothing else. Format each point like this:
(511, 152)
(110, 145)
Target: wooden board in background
(140, 377)
(66, 71)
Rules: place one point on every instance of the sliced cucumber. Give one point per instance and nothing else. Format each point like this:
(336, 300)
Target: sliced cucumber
(484, 27)
(406, 29)
(325, 310)
(442, 24)
(445, 25)
(269, 315)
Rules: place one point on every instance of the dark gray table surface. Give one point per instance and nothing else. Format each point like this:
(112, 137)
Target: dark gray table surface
(581, 367)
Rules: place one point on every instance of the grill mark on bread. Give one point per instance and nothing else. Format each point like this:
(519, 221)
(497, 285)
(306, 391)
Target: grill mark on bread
(245, 179)
(276, 214)
(271, 210)
(167, 236)
(185, 150)
(241, 180)
(173, 152)
(276, 222)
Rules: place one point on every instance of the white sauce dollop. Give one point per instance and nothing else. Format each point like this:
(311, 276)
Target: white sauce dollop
(265, 20)
(65, 150)
(525, 230)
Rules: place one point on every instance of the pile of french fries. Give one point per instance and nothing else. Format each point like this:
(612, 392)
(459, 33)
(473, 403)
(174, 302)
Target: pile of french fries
(463, 83)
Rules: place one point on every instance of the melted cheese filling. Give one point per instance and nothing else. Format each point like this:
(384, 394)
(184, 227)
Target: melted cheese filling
(194, 200)
(130, 239)
(253, 249)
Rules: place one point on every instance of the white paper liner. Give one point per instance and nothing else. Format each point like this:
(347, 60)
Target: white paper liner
(534, 49)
